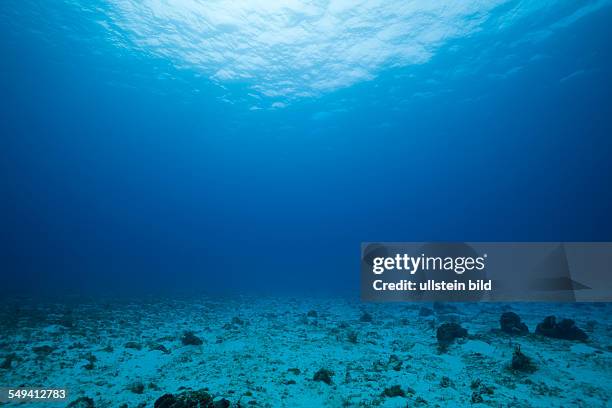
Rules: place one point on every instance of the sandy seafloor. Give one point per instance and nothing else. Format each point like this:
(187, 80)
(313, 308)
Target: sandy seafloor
(264, 352)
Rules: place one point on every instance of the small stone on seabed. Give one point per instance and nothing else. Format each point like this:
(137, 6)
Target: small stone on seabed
(520, 362)
(511, 323)
(448, 332)
(394, 391)
(190, 339)
(565, 329)
(323, 375)
(137, 387)
(83, 402)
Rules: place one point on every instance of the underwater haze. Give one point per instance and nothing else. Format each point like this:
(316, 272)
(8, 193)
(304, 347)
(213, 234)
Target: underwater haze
(185, 186)
(227, 145)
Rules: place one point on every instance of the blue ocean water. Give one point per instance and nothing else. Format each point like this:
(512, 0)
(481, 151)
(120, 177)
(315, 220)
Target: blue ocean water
(144, 147)
(207, 170)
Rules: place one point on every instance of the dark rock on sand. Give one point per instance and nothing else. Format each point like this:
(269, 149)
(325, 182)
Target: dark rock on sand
(137, 387)
(83, 402)
(476, 398)
(312, 313)
(166, 401)
(480, 389)
(159, 347)
(186, 399)
(445, 382)
(43, 351)
(511, 323)
(565, 329)
(190, 339)
(448, 332)
(520, 362)
(394, 391)
(323, 375)
(8, 361)
(394, 362)
(133, 345)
